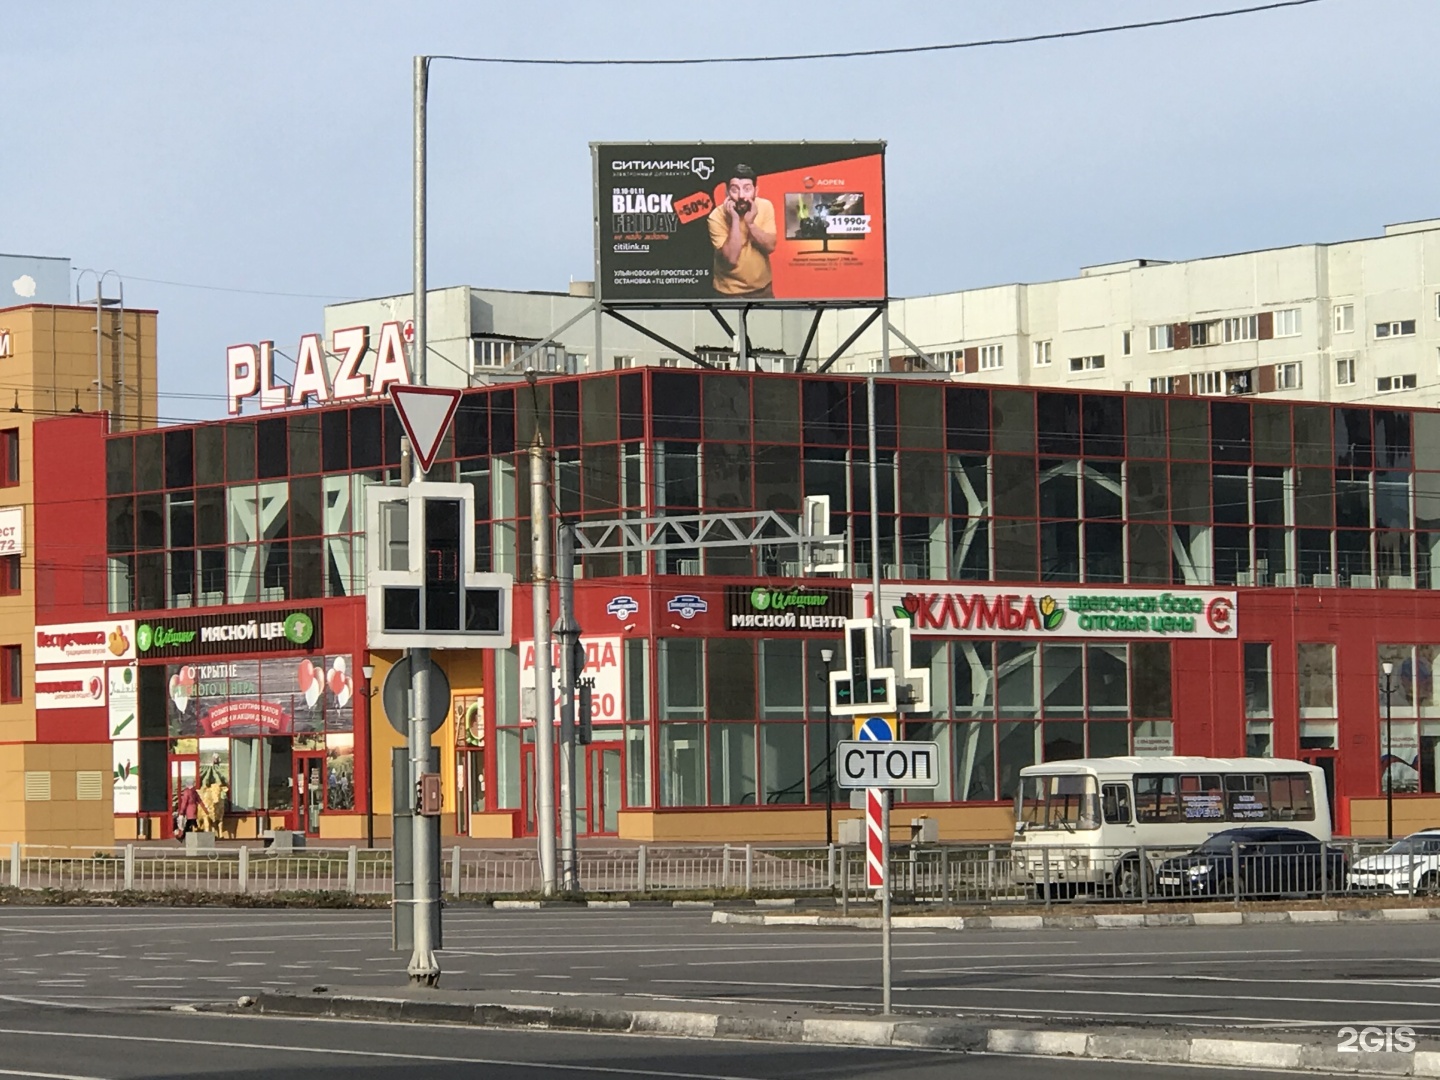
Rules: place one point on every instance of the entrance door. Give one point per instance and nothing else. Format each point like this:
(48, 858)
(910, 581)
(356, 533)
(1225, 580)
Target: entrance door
(603, 777)
(1325, 761)
(183, 771)
(309, 792)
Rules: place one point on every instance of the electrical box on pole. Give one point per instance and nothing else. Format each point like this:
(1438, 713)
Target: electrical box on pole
(422, 589)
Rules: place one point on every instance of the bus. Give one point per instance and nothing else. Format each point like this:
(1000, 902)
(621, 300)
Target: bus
(1099, 824)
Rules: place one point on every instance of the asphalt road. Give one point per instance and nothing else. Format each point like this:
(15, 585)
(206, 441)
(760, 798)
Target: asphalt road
(1246, 977)
(79, 1044)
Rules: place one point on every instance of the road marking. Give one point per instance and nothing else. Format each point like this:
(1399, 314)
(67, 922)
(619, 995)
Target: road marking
(581, 1068)
(47, 1075)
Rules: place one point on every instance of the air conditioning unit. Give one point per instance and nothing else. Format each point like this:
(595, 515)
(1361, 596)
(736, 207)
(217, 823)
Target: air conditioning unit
(273, 595)
(1399, 581)
(212, 599)
(689, 566)
(1323, 581)
(1245, 578)
(906, 572)
(183, 599)
(1362, 581)
(1284, 580)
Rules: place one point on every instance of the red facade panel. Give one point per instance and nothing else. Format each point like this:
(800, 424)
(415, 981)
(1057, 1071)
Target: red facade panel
(69, 529)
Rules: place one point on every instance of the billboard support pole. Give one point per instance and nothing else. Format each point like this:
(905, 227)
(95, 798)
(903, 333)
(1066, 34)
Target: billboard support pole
(864, 325)
(809, 340)
(744, 350)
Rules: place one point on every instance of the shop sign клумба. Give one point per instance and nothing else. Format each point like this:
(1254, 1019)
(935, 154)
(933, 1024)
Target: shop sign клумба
(226, 634)
(785, 609)
(1064, 610)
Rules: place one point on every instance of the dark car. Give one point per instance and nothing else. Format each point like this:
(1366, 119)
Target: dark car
(1269, 862)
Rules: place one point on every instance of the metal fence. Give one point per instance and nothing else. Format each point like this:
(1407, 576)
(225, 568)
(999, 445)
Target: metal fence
(922, 873)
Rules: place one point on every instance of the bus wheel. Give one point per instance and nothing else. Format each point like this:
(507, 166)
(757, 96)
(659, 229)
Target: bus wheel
(1128, 879)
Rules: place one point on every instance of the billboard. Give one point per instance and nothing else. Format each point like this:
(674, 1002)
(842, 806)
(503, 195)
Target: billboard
(743, 223)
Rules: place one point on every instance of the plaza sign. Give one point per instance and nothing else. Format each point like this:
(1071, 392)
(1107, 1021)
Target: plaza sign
(1064, 611)
(250, 369)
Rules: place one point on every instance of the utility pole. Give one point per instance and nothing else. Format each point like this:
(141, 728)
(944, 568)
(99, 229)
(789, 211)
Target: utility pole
(568, 632)
(423, 969)
(544, 682)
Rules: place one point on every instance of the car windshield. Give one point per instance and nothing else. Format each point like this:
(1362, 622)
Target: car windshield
(1057, 802)
(1412, 845)
(1222, 841)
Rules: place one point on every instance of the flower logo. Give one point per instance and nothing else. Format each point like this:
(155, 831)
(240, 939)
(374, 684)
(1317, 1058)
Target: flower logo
(1051, 616)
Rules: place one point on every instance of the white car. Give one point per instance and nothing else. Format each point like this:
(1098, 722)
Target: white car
(1408, 867)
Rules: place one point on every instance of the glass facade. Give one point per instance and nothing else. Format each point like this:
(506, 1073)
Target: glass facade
(976, 484)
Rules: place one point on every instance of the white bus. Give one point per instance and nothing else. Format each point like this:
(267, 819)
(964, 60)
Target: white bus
(1081, 825)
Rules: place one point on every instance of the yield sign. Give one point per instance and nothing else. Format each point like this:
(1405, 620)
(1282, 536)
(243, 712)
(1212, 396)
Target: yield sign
(426, 412)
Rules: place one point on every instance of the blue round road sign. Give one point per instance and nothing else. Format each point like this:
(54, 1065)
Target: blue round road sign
(876, 729)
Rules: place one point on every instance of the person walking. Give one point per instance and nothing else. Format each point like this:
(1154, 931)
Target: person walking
(188, 811)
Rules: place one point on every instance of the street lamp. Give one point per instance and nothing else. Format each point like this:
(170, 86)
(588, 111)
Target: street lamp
(1388, 689)
(826, 655)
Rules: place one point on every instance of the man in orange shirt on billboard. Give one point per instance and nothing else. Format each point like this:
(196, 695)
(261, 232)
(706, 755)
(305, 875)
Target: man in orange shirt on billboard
(742, 232)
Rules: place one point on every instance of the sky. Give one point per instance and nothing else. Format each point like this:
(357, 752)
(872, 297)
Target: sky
(241, 165)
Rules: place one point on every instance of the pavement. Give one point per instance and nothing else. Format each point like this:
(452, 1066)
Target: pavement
(84, 1044)
(1165, 990)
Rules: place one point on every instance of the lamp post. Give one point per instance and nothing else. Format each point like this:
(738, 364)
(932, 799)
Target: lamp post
(826, 655)
(1387, 689)
(368, 672)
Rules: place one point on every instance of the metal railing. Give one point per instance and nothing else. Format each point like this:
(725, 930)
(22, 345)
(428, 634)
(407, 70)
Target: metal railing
(995, 873)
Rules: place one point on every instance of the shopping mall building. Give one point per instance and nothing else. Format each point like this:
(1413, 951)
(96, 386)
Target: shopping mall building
(1086, 573)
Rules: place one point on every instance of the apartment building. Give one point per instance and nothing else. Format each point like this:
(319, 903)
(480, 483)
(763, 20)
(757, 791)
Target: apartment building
(1346, 322)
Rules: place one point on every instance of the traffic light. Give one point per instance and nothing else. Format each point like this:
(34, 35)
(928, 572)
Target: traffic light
(422, 588)
(586, 732)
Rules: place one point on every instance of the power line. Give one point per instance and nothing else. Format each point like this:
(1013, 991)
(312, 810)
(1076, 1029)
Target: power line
(904, 50)
(248, 292)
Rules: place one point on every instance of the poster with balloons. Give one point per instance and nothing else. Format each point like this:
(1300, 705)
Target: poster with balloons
(260, 697)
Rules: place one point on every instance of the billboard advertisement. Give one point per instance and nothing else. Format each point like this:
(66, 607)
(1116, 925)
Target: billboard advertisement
(745, 223)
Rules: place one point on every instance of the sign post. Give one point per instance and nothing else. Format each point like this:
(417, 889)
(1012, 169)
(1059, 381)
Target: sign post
(868, 685)
(423, 593)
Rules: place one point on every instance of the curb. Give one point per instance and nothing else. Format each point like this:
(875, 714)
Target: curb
(915, 1034)
(1084, 922)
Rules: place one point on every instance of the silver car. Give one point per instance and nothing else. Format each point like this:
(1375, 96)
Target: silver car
(1409, 867)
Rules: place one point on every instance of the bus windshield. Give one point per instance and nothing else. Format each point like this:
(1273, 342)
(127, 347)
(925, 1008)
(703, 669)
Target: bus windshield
(1057, 802)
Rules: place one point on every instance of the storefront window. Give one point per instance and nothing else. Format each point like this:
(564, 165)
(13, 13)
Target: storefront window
(782, 763)
(1257, 682)
(1018, 748)
(1064, 674)
(507, 768)
(637, 764)
(682, 680)
(974, 746)
(782, 682)
(732, 764)
(974, 678)
(1259, 738)
(682, 765)
(1017, 677)
(1316, 664)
